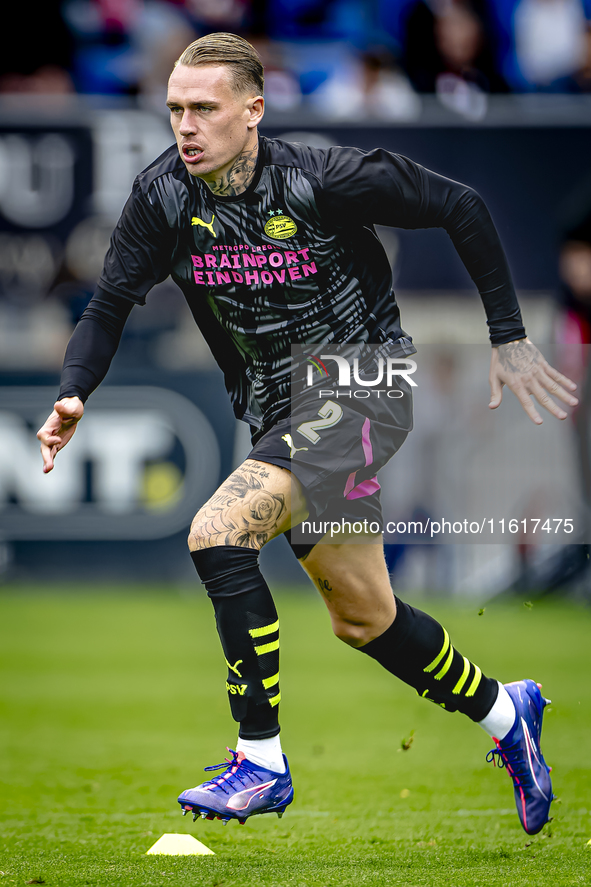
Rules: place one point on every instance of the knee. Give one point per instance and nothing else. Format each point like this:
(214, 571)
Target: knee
(360, 624)
(355, 633)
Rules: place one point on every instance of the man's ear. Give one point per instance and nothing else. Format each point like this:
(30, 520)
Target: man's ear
(256, 107)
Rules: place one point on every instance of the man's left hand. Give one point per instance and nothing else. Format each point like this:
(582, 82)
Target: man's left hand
(524, 370)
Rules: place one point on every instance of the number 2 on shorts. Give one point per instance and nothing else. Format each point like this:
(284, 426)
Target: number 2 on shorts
(330, 413)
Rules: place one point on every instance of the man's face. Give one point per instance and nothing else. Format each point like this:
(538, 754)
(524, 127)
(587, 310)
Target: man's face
(575, 268)
(212, 122)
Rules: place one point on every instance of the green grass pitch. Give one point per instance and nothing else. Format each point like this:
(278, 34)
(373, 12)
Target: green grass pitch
(113, 700)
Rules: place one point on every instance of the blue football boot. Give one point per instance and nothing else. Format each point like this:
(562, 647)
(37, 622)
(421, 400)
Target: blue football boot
(242, 790)
(520, 753)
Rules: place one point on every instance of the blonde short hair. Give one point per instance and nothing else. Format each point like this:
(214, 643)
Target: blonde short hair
(229, 51)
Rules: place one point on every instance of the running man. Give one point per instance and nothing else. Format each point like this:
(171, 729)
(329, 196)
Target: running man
(273, 246)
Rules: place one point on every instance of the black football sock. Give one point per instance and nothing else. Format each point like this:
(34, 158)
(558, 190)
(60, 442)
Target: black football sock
(417, 649)
(248, 627)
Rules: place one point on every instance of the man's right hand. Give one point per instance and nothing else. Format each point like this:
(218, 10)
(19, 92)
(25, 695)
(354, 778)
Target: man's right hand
(59, 428)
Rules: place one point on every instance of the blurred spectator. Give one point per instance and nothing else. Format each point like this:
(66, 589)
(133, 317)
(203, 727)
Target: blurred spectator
(468, 70)
(447, 51)
(160, 36)
(574, 265)
(103, 60)
(43, 66)
(539, 41)
(420, 57)
(320, 39)
(343, 20)
(126, 47)
(580, 80)
(549, 40)
(219, 15)
(282, 87)
(464, 48)
(371, 86)
(449, 38)
(573, 329)
(574, 324)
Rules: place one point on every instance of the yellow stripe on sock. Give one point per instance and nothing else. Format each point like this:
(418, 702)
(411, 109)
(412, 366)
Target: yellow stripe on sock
(267, 648)
(275, 700)
(270, 682)
(463, 678)
(266, 629)
(445, 668)
(475, 681)
(440, 655)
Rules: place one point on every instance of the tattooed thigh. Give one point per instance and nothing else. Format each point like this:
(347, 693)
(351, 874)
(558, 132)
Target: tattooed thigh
(250, 508)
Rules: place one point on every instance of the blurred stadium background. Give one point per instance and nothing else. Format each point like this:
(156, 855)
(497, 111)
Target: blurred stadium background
(495, 93)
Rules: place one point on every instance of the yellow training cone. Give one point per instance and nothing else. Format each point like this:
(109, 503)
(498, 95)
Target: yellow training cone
(179, 845)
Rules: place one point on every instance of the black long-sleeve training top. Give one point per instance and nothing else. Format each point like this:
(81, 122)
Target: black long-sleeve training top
(294, 259)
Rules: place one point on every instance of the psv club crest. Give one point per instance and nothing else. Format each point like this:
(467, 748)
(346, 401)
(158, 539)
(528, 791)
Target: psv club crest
(280, 226)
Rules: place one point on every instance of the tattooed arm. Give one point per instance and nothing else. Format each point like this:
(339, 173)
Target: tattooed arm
(524, 370)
